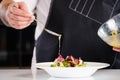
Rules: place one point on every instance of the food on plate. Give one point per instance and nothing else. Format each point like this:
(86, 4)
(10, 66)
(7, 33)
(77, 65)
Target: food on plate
(69, 61)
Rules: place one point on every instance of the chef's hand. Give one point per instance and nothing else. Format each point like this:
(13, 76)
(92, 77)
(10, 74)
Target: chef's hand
(18, 15)
(116, 49)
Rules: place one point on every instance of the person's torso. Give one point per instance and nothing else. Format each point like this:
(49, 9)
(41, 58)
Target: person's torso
(78, 22)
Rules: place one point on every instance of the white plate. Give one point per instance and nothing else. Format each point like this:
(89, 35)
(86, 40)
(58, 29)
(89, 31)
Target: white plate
(87, 71)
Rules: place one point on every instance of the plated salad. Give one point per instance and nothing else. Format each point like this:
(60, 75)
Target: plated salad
(69, 61)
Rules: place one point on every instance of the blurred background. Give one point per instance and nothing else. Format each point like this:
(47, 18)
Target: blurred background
(16, 46)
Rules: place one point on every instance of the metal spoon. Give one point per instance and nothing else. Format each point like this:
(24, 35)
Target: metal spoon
(52, 33)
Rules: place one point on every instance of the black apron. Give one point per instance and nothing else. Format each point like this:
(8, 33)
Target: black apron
(78, 22)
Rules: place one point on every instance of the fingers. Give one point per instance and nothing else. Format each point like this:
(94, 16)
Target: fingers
(23, 6)
(13, 8)
(20, 24)
(116, 49)
(18, 15)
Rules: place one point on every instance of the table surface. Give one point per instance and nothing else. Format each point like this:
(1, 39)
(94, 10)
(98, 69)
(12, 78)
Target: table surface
(27, 74)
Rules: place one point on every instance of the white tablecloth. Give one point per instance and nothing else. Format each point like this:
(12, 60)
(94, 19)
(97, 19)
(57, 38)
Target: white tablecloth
(26, 74)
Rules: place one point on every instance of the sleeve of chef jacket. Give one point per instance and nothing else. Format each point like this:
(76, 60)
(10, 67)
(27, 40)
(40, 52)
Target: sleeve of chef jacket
(42, 10)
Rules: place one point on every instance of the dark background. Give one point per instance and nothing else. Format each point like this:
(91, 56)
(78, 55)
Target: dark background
(16, 46)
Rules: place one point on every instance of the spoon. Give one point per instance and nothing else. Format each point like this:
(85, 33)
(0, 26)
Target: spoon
(52, 33)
